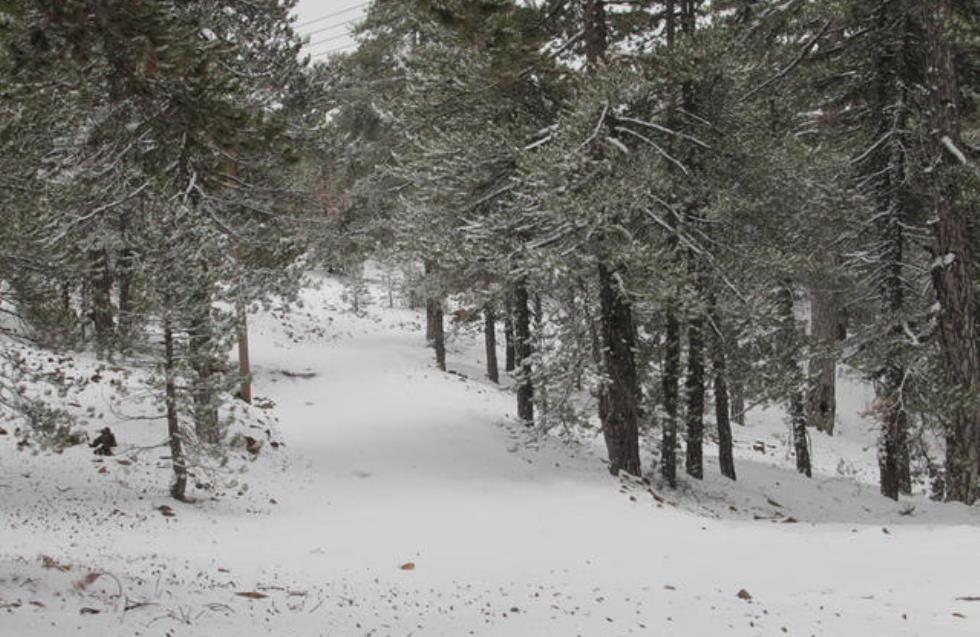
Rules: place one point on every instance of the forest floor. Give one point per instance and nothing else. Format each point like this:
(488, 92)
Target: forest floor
(404, 501)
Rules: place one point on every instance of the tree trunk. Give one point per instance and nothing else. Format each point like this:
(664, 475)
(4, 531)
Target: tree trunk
(202, 356)
(737, 394)
(671, 375)
(522, 353)
(822, 371)
(951, 276)
(179, 487)
(102, 315)
(893, 80)
(490, 339)
(244, 363)
(694, 391)
(726, 460)
(435, 332)
(438, 332)
(893, 456)
(509, 352)
(619, 427)
(787, 351)
(125, 278)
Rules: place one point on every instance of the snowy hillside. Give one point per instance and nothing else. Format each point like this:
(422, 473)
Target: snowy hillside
(392, 499)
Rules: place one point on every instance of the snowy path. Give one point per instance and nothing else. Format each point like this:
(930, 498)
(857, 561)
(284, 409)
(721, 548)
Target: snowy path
(393, 462)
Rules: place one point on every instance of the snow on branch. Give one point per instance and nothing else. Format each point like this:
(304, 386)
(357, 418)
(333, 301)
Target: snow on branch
(792, 65)
(654, 145)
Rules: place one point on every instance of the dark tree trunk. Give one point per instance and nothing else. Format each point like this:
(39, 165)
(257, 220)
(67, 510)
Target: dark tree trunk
(726, 460)
(490, 340)
(620, 427)
(737, 394)
(824, 325)
(179, 487)
(601, 396)
(893, 456)
(895, 75)
(125, 280)
(694, 391)
(671, 376)
(787, 351)
(672, 328)
(244, 361)
(509, 350)
(203, 359)
(951, 276)
(523, 352)
(102, 314)
(435, 333)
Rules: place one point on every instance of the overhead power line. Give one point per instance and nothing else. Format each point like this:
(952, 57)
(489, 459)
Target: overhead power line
(332, 38)
(332, 27)
(320, 54)
(332, 15)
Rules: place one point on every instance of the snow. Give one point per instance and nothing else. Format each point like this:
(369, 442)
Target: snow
(387, 462)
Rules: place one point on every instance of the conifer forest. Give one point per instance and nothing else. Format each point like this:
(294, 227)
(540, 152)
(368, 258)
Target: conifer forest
(519, 318)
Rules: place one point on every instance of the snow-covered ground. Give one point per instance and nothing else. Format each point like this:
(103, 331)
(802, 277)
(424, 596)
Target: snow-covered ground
(403, 501)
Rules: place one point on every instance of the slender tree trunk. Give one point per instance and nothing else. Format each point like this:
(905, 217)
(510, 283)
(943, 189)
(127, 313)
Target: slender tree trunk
(601, 395)
(509, 351)
(672, 331)
(202, 356)
(179, 487)
(102, 315)
(694, 390)
(125, 279)
(824, 324)
(618, 408)
(951, 276)
(523, 352)
(726, 459)
(244, 362)
(490, 339)
(620, 427)
(435, 328)
(893, 79)
(438, 334)
(737, 394)
(797, 412)
(671, 376)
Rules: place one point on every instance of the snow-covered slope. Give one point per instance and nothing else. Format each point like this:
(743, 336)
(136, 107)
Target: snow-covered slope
(404, 502)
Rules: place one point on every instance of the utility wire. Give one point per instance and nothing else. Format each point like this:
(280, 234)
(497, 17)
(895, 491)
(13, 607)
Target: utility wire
(320, 54)
(330, 39)
(331, 27)
(331, 15)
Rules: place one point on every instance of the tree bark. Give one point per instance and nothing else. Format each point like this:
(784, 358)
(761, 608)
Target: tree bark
(895, 75)
(822, 370)
(951, 275)
(619, 427)
(244, 362)
(125, 277)
(202, 356)
(522, 353)
(178, 490)
(102, 314)
(671, 375)
(737, 394)
(509, 350)
(797, 411)
(694, 390)
(435, 325)
(490, 340)
(726, 459)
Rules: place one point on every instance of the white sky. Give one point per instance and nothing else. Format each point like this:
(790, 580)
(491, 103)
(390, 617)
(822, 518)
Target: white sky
(328, 24)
